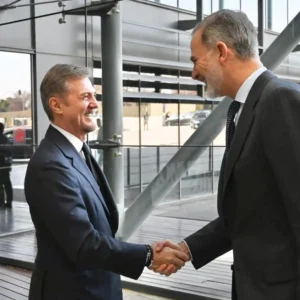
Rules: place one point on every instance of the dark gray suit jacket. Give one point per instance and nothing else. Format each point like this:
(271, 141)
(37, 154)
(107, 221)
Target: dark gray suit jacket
(78, 256)
(259, 207)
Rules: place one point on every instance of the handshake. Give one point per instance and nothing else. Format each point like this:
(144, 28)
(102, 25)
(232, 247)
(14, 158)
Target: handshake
(169, 257)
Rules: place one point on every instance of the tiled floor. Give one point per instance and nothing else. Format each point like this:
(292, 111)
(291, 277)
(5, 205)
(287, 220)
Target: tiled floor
(213, 281)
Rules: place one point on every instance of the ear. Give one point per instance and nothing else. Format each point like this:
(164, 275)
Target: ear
(222, 51)
(55, 104)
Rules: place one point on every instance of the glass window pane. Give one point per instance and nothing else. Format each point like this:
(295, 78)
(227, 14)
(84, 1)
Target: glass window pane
(294, 8)
(188, 5)
(16, 115)
(167, 2)
(15, 101)
(277, 15)
(251, 9)
(206, 7)
(232, 4)
(215, 5)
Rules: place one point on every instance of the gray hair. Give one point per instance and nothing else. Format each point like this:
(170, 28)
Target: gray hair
(232, 28)
(55, 83)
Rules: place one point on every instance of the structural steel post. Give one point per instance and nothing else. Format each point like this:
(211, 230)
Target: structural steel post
(112, 100)
(168, 177)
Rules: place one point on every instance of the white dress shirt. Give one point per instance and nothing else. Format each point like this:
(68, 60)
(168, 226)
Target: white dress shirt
(244, 90)
(75, 141)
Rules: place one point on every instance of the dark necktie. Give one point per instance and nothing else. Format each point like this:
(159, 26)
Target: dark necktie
(230, 125)
(230, 128)
(88, 160)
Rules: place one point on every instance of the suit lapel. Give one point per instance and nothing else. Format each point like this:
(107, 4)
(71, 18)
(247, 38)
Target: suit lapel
(244, 123)
(77, 161)
(81, 167)
(107, 193)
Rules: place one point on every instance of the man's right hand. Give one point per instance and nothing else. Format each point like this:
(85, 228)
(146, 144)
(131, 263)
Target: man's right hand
(169, 257)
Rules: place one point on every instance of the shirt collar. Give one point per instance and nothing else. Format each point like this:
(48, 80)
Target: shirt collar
(75, 141)
(244, 90)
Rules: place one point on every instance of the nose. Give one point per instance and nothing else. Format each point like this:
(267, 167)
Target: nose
(93, 103)
(194, 73)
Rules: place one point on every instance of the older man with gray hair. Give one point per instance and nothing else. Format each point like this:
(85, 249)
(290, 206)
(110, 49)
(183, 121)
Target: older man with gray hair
(259, 190)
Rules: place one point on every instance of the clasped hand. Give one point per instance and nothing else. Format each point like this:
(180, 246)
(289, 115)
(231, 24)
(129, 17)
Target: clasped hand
(168, 257)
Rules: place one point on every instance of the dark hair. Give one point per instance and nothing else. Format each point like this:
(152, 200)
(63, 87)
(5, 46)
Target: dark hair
(56, 80)
(234, 29)
(1, 127)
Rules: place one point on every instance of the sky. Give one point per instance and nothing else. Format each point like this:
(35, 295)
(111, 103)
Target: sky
(14, 73)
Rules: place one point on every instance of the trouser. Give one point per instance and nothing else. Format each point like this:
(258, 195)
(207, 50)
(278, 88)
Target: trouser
(5, 185)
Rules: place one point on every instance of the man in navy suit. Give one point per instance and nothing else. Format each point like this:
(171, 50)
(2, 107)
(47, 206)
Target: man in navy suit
(72, 206)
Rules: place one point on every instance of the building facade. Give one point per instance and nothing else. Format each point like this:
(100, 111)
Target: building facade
(162, 105)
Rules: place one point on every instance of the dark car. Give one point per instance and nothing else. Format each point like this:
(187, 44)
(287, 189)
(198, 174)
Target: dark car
(20, 139)
(175, 120)
(199, 117)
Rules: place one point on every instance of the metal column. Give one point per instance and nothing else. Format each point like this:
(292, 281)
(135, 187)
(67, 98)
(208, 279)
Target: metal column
(261, 24)
(199, 11)
(112, 99)
(168, 177)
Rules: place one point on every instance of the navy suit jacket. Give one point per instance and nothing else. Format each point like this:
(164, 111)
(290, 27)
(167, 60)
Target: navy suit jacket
(78, 256)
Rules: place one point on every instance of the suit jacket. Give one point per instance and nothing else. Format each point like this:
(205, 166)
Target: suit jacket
(78, 256)
(259, 199)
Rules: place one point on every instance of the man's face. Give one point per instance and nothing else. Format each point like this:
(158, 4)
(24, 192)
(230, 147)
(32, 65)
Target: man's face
(77, 107)
(206, 66)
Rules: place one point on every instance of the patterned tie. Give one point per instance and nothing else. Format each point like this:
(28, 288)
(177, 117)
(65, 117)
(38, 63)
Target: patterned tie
(230, 126)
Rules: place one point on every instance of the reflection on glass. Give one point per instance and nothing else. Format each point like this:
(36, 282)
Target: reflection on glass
(251, 9)
(277, 14)
(15, 102)
(16, 115)
(294, 9)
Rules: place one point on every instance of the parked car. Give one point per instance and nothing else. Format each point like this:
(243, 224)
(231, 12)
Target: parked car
(182, 120)
(20, 139)
(199, 117)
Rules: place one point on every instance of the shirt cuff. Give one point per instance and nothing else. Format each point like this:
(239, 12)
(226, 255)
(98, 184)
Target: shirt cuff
(188, 249)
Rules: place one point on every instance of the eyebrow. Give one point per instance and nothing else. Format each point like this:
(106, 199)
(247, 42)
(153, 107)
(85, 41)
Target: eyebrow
(84, 93)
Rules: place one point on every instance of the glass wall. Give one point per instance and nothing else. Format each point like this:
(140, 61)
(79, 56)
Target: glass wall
(278, 12)
(16, 115)
(277, 17)
(251, 9)
(159, 116)
(293, 9)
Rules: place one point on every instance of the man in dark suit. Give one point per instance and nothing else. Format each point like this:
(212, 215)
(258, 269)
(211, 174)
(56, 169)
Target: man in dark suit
(259, 189)
(72, 206)
(6, 190)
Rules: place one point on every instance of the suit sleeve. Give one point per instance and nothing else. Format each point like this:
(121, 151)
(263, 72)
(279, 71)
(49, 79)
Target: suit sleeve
(58, 202)
(281, 141)
(209, 242)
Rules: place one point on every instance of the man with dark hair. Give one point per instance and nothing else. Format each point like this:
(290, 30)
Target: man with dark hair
(259, 190)
(72, 206)
(5, 168)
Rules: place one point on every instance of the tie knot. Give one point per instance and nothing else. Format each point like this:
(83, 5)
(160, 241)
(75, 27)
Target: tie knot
(85, 149)
(234, 108)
